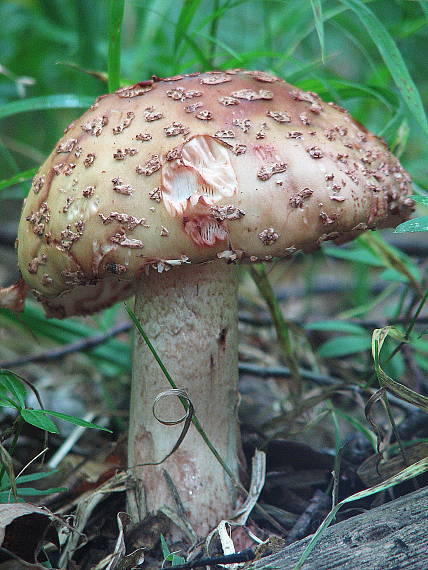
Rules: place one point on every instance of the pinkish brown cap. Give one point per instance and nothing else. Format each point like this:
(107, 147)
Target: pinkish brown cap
(189, 169)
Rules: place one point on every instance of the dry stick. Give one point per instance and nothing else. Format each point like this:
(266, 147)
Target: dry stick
(88, 343)
(243, 556)
(93, 341)
(316, 509)
(80, 345)
(266, 321)
(244, 367)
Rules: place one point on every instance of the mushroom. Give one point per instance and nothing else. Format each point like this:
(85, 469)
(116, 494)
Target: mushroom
(157, 190)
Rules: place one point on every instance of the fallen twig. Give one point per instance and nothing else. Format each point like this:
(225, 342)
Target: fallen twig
(79, 346)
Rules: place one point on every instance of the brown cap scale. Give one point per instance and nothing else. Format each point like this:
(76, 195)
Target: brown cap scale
(172, 174)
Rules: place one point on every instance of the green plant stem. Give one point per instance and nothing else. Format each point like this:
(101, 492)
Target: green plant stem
(281, 326)
(394, 427)
(410, 326)
(17, 432)
(116, 10)
(337, 456)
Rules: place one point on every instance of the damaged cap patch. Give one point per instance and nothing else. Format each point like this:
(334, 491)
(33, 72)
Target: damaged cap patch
(203, 174)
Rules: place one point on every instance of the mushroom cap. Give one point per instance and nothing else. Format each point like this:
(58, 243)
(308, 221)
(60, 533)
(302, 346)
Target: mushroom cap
(188, 169)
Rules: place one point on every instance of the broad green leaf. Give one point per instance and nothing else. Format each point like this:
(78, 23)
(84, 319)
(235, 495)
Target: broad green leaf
(10, 382)
(397, 276)
(9, 497)
(421, 362)
(392, 58)
(344, 346)
(175, 559)
(5, 496)
(35, 476)
(8, 403)
(415, 225)
(18, 178)
(420, 343)
(168, 555)
(38, 419)
(64, 101)
(336, 326)
(164, 547)
(29, 491)
(73, 420)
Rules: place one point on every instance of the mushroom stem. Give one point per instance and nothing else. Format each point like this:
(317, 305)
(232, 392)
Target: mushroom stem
(190, 316)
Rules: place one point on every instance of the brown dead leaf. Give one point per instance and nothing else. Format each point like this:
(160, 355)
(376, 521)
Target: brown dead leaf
(24, 529)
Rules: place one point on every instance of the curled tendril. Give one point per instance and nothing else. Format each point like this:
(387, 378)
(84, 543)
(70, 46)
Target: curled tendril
(186, 418)
(180, 393)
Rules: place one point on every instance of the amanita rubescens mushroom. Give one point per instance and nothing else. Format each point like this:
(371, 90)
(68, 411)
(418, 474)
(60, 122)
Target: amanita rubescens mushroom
(156, 190)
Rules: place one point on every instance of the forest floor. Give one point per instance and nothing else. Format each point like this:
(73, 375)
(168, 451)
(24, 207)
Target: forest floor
(318, 447)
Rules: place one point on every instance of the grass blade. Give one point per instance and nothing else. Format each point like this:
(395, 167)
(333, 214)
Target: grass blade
(185, 18)
(319, 24)
(424, 8)
(282, 328)
(392, 58)
(409, 473)
(18, 178)
(116, 10)
(63, 101)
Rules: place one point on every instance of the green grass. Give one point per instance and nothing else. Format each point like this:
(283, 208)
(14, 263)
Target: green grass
(345, 50)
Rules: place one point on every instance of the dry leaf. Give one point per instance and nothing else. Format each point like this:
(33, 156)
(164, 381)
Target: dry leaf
(24, 529)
